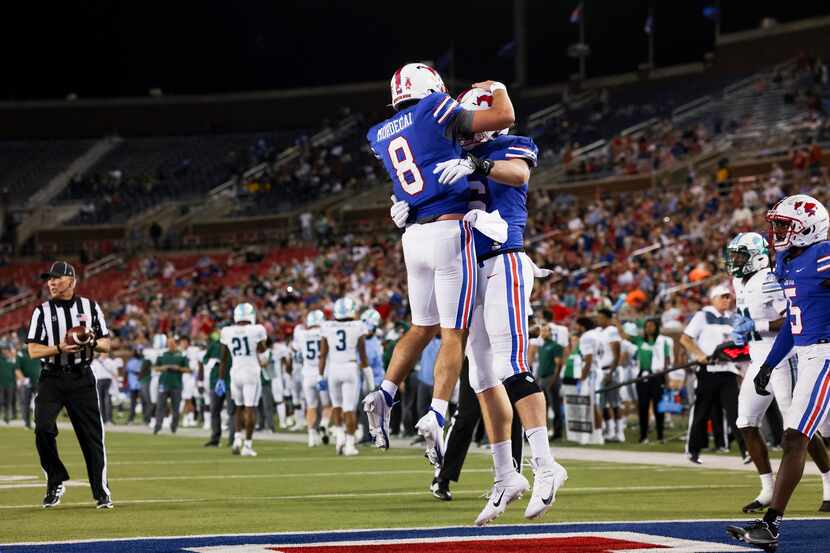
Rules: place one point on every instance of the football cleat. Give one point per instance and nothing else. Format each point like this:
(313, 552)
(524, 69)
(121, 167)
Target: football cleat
(247, 452)
(324, 435)
(757, 504)
(546, 482)
(441, 489)
(760, 533)
(349, 450)
(236, 447)
(695, 458)
(313, 438)
(104, 502)
(377, 409)
(505, 492)
(431, 427)
(825, 507)
(53, 496)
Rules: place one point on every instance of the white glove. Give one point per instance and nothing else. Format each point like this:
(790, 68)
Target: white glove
(538, 272)
(399, 212)
(454, 170)
(490, 224)
(368, 380)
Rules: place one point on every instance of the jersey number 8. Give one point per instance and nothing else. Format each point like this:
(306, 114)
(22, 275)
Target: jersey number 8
(404, 162)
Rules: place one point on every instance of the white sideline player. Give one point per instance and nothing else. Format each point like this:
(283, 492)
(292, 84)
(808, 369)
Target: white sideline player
(244, 342)
(280, 358)
(151, 354)
(342, 351)
(592, 345)
(315, 394)
(761, 306)
(190, 390)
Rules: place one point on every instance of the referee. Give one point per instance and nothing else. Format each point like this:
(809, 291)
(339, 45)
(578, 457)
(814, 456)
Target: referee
(67, 381)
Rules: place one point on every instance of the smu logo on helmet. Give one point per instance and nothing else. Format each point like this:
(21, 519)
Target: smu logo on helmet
(809, 207)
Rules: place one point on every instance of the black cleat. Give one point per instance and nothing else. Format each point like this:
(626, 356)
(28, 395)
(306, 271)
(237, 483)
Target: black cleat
(53, 496)
(212, 443)
(825, 507)
(441, 489)
(695, 458)
(104, 502)
(324, 435)
(760, 533)
(755, 506)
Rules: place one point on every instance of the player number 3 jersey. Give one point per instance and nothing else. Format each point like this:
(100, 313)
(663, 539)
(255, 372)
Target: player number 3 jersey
(342, 338)
(242, 341)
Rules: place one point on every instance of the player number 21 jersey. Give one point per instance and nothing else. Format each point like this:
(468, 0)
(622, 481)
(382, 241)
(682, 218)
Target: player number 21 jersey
(242, 341)
(342, 338)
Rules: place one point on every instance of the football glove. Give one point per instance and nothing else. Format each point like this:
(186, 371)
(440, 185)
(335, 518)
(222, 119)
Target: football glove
(761, 380)
(219, 389)
(399, 212)
(741, 328)
(322, 384)
(454, 170)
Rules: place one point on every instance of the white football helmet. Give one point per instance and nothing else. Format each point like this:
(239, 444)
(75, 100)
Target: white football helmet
(345, 308)
(414, 81)
(472, 100)
(799, 221)
(371, 319)
(747, 254)
(244, 312)
(314, 318)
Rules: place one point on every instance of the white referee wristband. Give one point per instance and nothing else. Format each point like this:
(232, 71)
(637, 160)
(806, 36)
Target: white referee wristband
(762, 325)
(497, 86)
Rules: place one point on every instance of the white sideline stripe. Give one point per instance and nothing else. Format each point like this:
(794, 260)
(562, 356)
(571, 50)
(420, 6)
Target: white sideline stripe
(399, 529)
(597, 489)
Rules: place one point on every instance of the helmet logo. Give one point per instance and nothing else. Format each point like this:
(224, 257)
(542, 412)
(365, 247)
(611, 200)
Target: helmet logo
(810, 208)
(407, 83)
(484, 99)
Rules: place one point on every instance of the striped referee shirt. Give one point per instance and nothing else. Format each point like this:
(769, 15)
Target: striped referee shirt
(51, 320)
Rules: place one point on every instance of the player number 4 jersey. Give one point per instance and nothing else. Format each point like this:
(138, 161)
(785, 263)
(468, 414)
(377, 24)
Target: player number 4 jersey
(410, 144)
(242, 341)
(803, 281)
(342, 338)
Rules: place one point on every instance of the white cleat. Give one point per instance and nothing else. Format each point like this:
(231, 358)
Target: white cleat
(433, 434)
(546, 481)
(504, 493)
(313, 439)
(350, 451)
(247, 452)
(378, 411)
(236, 448)
(339, 443)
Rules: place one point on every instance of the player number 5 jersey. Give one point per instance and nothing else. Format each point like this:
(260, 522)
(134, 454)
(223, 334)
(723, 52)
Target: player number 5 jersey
(307, 344)
(242, 341)
(342, 338)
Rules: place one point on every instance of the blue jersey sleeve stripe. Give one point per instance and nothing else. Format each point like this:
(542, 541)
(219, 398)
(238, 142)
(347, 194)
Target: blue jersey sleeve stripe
(440, 106)
(448, 111)
(822, 259)
(822, 269)
(528, 151)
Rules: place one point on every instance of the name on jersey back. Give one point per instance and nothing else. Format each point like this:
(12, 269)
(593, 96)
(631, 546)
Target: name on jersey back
(394, 126)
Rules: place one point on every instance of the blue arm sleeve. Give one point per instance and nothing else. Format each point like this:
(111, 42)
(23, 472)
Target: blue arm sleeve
(782, 345)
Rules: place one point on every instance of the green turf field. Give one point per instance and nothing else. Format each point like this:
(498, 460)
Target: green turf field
(165, 485)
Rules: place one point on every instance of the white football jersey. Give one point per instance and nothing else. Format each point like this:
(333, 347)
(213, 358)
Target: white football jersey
(307, 345)
(631, 350)
(760, 298)
(592, 342)
(609, 335)
(342, 338)
(559, 334)
(194, 355)
(242, 341)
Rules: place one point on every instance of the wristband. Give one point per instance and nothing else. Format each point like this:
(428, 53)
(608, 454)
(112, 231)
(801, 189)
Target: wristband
(483, 166)
(497, 86)
(762, 325)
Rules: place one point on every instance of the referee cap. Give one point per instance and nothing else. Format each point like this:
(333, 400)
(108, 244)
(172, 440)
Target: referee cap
(59, 269)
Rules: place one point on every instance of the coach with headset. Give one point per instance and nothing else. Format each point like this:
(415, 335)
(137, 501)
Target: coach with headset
(67, 381)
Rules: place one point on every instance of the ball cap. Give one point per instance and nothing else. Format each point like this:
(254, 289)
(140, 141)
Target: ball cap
(719, 290)
(59, 269)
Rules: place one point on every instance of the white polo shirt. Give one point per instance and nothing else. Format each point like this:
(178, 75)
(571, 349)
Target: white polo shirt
(709, 328)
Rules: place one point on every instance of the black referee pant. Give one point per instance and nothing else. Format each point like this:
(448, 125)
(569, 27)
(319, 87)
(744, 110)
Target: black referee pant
(76, 391)
(713, 388)
(464, 422)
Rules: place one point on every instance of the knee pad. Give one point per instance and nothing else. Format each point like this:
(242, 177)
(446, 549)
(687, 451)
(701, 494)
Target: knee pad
(520, 386)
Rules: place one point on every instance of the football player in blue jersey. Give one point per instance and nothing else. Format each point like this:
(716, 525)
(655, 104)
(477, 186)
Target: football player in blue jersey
(798, 231)
(438, 244)
(497, 169)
